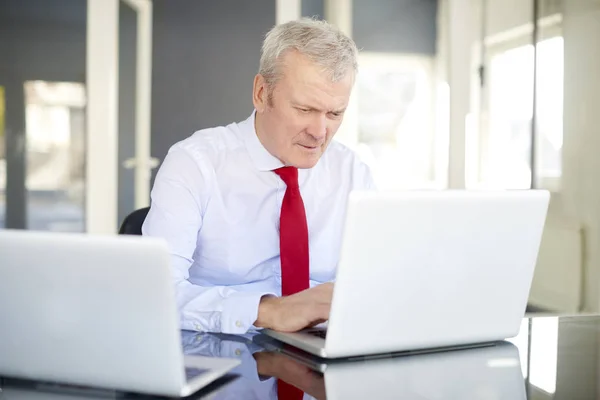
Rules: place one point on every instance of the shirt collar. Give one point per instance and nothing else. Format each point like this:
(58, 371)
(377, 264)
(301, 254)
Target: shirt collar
(262, 159)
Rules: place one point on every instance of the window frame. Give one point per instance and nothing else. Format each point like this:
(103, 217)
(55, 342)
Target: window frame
(548, 27)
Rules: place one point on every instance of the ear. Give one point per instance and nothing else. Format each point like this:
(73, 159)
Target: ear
(259, 93)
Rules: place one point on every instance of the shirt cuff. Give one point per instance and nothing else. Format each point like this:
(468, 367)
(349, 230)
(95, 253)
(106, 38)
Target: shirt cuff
(240, 311)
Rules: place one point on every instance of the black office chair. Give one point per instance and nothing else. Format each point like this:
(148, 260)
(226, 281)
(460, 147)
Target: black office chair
(132, 224)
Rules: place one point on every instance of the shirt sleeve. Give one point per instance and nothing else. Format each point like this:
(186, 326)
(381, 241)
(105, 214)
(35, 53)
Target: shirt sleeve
(178, 198)
(362, 177)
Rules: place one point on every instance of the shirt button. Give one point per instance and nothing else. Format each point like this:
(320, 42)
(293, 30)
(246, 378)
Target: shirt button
(239, 324)
(198, 327)
(238, 352)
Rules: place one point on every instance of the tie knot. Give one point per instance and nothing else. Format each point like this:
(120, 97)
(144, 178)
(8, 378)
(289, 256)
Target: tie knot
(289, 175)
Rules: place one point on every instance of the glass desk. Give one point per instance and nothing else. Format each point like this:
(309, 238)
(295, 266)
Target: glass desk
(551, 358)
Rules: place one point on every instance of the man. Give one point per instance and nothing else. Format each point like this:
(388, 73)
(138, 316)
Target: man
(253, 211)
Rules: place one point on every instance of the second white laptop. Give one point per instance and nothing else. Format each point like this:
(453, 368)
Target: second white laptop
(429, 269)
(95, 311)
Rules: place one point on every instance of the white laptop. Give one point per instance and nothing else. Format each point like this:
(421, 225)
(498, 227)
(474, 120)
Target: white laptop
(429, 269)
(95, 311)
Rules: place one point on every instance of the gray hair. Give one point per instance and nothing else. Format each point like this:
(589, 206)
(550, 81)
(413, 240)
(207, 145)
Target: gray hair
(321, 42)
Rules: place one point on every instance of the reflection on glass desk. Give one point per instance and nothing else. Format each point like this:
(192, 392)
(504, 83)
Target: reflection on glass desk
(17, 389)
(551, 358)
(489, 372)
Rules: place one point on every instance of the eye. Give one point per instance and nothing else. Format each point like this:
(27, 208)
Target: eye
(303, 110)
(336, 114)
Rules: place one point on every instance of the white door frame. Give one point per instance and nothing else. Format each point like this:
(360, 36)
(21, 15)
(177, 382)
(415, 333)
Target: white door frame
(287, 10)
(339, 13)
(143, 161)
(102, 85)
(102, 82)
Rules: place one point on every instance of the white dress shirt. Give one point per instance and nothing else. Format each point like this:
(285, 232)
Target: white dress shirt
(216, 201)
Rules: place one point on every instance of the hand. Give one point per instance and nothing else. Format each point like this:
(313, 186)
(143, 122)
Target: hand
(298, 311)
(288, 370)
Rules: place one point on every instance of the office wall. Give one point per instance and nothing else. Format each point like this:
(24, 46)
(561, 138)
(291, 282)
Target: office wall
(43, 39)
(396, 26)
(580, 194)
(313, 8)
(205, 56)
(568, 276)
(127, 100)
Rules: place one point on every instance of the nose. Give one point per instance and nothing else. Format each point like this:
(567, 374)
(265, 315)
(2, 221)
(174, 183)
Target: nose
(318, 126)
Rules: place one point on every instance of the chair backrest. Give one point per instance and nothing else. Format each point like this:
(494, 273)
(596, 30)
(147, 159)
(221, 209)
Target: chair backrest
(132, 224)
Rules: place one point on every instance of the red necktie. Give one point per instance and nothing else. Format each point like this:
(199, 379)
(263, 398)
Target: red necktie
(293, 249)
(285, 391)
(293, 236)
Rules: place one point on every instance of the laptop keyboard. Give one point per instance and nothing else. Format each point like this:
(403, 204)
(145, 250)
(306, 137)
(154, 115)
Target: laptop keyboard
(191, 373)
(322, 333)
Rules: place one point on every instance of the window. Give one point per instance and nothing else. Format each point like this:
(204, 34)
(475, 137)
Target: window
(396, 120)
(544, 354)
(504, 150)
(55, 136)
(539, 364)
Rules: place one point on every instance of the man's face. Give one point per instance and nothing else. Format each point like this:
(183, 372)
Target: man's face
(303, 112)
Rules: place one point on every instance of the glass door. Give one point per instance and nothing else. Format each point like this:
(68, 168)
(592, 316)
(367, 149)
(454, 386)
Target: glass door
(74, 114)
(55, 155)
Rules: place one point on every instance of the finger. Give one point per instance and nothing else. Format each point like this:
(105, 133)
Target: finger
(317, 322)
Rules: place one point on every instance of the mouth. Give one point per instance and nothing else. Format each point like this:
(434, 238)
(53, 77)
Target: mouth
(309, 148)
